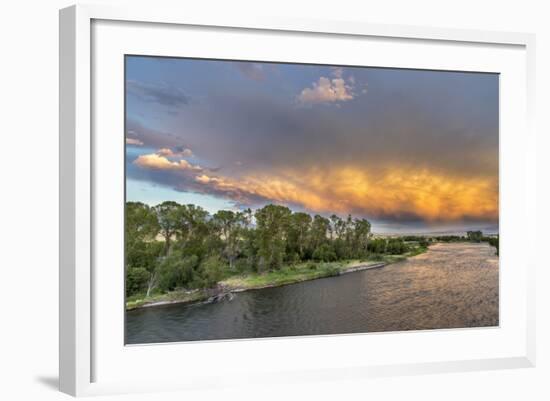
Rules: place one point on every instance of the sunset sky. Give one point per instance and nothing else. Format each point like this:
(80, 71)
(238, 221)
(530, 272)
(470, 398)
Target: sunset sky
(410, 150)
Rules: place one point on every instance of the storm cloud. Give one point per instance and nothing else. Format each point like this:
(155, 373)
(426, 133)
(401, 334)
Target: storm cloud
(417, 146)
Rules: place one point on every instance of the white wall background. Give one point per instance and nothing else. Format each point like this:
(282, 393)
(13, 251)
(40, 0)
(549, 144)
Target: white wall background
(29, 200)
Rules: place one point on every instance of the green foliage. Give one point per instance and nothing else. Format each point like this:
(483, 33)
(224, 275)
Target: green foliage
(449, 238)
(377, 246)
(168, 218)
(176, 271)
(136, 280)
(212, 269)
(493, 241)
(318, 232)
(172, 246)
(324, 253)
(298, 235)
(474, 236)
(272, 223)
(396, 246)
(143, 254)
(244, 265)
(228, 226)
(141, 223)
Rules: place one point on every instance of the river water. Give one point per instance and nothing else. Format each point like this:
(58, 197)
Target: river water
(450, 286)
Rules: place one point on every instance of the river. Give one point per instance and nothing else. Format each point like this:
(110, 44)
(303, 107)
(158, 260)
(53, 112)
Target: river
(450, 286)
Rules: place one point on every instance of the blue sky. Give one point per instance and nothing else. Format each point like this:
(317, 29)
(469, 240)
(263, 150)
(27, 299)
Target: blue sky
(410, 150)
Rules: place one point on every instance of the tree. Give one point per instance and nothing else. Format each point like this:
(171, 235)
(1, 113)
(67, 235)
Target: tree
(192, 223)
(271, 234)
(198, 249)
(212, 270)
(396, 246)
(168, 216)
(324, 253)
(338, 226)
(494, 242)
(136, 280)
(177, 271)
(474, 236)
(319, 230)
(348, 235)
(148, 257)
(298, 231)
(361, 236)
(377, 246)
(142, 251)
(140, 223)
(229, 226)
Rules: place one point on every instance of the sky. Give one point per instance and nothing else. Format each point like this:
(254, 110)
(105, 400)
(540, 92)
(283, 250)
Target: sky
(410, 150)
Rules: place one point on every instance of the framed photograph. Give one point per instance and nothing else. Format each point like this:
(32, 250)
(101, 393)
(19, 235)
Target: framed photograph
(280, 200)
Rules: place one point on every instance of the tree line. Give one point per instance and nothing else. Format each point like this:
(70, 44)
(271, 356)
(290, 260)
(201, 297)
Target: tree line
(477, 236)
(172, 246)
(471, 236)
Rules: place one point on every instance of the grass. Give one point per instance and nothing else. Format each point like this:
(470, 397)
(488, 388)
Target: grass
(286, 275)
(301, 272)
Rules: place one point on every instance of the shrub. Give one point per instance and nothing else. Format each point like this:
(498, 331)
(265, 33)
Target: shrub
(377, 246)
(294, 258)
(212, 270)
(474, 236)
(396, 247)
(324, 253)
(177, 271)
(136, 280)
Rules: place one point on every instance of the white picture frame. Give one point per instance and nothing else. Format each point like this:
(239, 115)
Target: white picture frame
(79, 317)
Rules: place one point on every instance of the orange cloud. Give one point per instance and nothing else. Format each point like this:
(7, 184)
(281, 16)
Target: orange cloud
(397, 192)
(158, 162)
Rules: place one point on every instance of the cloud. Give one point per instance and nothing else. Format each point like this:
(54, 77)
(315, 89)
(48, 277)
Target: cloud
(423, 145)
(181, 152)
(390, 195)
(155, 93)
(158, 162)
(426, 130)
(152, 137)
(329, 90)
(337, 72)
(134, 141)
(253, 71)
(204, 179)
(326, 91)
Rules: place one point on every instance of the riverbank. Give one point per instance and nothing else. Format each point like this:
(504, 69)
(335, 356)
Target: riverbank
(254, 281)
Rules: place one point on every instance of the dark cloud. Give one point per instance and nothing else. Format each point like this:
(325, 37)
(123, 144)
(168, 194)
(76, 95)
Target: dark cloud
(152, 138)
(162, 94)
(376, 134)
